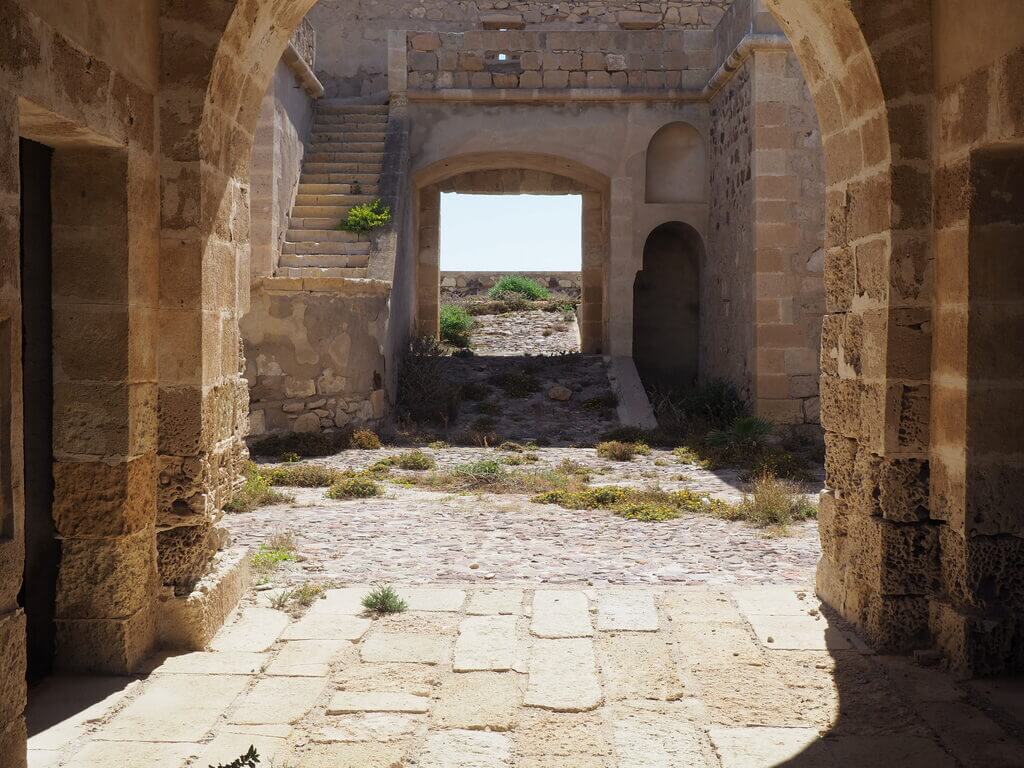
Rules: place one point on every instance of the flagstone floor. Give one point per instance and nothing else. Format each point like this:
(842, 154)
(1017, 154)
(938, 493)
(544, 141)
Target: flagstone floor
(503, 676)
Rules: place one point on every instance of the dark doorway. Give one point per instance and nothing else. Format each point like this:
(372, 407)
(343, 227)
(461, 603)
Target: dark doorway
(42, 551)
(666, 307)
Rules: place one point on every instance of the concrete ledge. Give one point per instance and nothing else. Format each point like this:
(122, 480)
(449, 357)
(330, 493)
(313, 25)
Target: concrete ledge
(189, 623)
(634, 409)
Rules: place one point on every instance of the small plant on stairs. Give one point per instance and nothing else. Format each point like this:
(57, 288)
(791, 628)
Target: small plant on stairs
(366, 216)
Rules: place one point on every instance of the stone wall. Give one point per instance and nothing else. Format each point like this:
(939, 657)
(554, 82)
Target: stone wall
(352, 56)
(286, 119)
(557, 60)
(456, 284)
(315, 354)
(727, 296)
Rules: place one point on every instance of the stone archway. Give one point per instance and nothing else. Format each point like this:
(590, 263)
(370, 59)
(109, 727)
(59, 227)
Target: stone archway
(666, 301)
(515, 174)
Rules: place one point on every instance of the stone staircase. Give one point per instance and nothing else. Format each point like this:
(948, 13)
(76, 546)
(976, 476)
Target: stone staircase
(342, 168)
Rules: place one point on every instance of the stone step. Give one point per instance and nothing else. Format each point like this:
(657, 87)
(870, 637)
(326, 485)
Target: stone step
(325, 260)
(362, 158)
(327, 247)
(337, 212)
(347, 146)
(327, 188)
(313, 222)
(347, 120)
(328, 127)
(346, 136)
(357, 272)
(324, 235)
(332, 199)
(333, 167)
(327, 108)
(366, 179)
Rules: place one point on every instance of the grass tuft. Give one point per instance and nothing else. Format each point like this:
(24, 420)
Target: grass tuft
(382, 598)
(301, 475)
(518, 285)
(414, 460)
(774, 504)
(619, 451)
(279, 548)
(354, 487)
(365, 439)
(255, 492)
(455, 325)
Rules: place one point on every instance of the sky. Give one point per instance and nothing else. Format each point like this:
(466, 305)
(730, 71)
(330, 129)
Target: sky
(505, 233)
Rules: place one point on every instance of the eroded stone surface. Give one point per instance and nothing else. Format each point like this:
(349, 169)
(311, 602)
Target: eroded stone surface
(345, 702)
(406, 647)
(466, 749)
(560, 614)
(485, 643)
(632, 611)
(487, 602)
(254, 631)
(563, 676)
(478, 701)
(327, 627)
(278, 700)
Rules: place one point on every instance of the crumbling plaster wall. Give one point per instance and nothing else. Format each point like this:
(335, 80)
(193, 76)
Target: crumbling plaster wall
(353, 33)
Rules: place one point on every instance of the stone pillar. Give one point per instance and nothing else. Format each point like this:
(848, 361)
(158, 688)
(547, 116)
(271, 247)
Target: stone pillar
(104, 399)
(428, 262)
(592, 275)
(788, 240)
(622, 271)
(12, 501)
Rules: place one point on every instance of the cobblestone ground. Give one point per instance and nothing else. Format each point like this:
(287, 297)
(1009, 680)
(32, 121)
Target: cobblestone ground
(418, 536)
(526, 333)
(511, 677)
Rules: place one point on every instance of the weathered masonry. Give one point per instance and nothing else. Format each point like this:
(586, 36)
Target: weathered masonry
(128, 168)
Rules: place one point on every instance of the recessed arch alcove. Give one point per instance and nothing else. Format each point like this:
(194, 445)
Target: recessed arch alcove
(676, 165)
(666, 307)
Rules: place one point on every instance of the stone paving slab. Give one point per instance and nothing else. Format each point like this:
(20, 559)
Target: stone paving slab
(351, 756)
(776, 601)
(279, 700)
(406, 648)
(309, 658)
(632, 611)
(227, 746)
(478, 701)
(367, 727)
(347, 601)
(327, 627)
(561, 613)
(253, 632)
(344, 702)
(101, 754)
(211, 663)
(760, 747)
(797, 633)
(563, 676)
(489, 602)
(486, 643)
(661, 736)
(426, 599)
(176, 708)
(466, 749)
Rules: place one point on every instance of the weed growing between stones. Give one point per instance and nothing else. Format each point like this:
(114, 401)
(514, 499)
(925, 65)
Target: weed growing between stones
(631, 503)
(354, 487)
(413, 460)
(365, 217)
(382, 599)
(518, 383)
(620, 451)
(250, 759)
(255, 492)
(424, 393)
(511, 285)
(745, 436)
(301, 596)
(455, 325)
(518, 459)
(279, 548)
(774, 504)
(365, 439)
(301, 476)
(490, 476)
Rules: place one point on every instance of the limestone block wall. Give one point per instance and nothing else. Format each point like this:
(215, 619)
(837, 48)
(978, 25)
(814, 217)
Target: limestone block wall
(558, 60)
(315, 354)
(352, 57)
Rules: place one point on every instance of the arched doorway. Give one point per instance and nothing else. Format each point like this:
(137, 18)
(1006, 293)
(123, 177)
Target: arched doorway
(666, 302)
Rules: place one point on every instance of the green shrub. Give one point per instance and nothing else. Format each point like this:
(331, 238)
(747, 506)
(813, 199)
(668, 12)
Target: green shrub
(382, 598)
(619, 451)
(250, 759)
(744, 437)
(354, 487)
(366, 439)
(279, 548)
(290, 457)
(455, 325)
(518, 285)
(413, 460)
(301, 476)
(304, 594)
(366, 216)
(255, 492)
(631, 503)
(425, 393)
(772, 503)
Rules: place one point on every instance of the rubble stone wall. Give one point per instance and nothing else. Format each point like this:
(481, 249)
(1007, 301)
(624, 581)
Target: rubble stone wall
(455, 284)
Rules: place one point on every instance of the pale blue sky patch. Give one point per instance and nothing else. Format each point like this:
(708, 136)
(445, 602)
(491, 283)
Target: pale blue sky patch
(511, 233)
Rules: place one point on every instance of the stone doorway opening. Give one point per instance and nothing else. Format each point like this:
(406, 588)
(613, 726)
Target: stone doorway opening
(510, 271)
(666, 301)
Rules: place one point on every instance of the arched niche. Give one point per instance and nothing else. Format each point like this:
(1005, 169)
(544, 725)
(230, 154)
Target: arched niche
(676, 165)
(666, 307)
